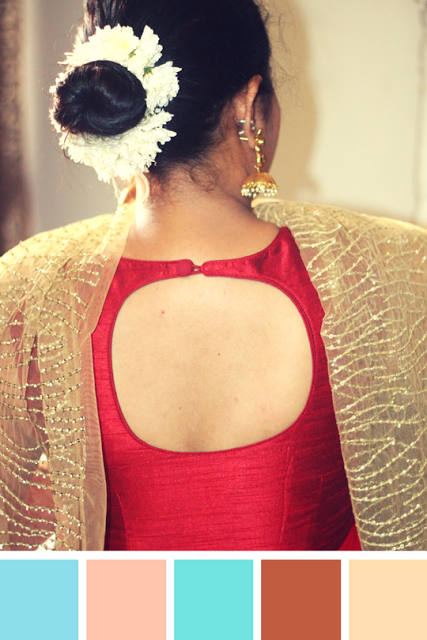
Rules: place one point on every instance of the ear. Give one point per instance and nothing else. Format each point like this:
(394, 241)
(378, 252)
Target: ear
(244, 104)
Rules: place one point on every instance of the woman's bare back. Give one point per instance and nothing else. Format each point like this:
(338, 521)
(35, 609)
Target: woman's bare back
(208, 363)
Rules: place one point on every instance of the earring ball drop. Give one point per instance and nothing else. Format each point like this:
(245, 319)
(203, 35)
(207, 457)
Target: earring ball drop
(259, 182)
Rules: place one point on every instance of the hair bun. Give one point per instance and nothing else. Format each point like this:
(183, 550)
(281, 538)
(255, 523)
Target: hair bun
(99, 98)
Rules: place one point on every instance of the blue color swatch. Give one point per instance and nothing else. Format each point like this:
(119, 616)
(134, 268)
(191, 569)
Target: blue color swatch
(39, 599)
(213, 599)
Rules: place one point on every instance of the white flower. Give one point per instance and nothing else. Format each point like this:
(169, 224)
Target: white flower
(115, 44)
(161, 85)
(126, 155)
(134, 151)
(149, 50)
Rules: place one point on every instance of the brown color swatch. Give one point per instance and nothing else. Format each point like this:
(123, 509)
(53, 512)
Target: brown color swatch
(301, 599)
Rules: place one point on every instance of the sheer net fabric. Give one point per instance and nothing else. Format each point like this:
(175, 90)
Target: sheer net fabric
(52, 287)
(371, 277)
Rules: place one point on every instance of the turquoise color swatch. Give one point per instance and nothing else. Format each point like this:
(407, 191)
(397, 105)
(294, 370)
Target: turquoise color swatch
(39, 599)
(213, 599)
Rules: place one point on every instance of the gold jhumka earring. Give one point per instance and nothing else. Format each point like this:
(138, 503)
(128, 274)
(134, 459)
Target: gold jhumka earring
(259, 182)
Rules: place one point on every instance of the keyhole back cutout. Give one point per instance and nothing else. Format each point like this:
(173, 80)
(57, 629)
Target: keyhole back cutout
(205, 364)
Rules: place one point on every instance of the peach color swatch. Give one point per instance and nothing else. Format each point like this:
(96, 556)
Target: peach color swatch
(126, 599)
(388, 599)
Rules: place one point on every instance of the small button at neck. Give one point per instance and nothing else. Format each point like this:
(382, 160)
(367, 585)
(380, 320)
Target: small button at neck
(187, 267)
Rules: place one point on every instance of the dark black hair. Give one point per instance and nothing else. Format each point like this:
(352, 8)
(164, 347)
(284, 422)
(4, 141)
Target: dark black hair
(219, 45)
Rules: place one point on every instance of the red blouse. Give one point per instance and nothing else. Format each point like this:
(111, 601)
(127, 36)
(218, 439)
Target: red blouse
(287, 492)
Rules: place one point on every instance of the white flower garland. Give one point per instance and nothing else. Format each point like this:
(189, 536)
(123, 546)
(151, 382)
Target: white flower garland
(133, 152)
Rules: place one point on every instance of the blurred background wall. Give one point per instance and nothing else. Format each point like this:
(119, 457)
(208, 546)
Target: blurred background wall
(14, 205)
(352, 109)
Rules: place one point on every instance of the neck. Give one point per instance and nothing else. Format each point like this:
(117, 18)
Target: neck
(190, 218)
(191, 221)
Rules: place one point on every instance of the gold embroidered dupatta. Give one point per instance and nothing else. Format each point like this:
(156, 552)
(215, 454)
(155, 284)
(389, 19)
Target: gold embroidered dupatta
(371, 279)
(52, 289)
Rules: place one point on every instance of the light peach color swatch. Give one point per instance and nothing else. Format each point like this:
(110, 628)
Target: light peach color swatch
(388, 599)
(126, 599)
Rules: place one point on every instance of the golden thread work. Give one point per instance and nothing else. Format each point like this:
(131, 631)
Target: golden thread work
(371, 278)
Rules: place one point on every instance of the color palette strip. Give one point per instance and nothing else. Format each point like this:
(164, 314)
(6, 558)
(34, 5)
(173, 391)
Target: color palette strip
(136, 599)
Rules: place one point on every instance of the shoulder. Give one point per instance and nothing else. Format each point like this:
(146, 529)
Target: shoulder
(332, 234)
(51, 249)
(43, 263)
(335, 243)
(336, 220)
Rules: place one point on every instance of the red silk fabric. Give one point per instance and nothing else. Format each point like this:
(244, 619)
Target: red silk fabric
(288, 492)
